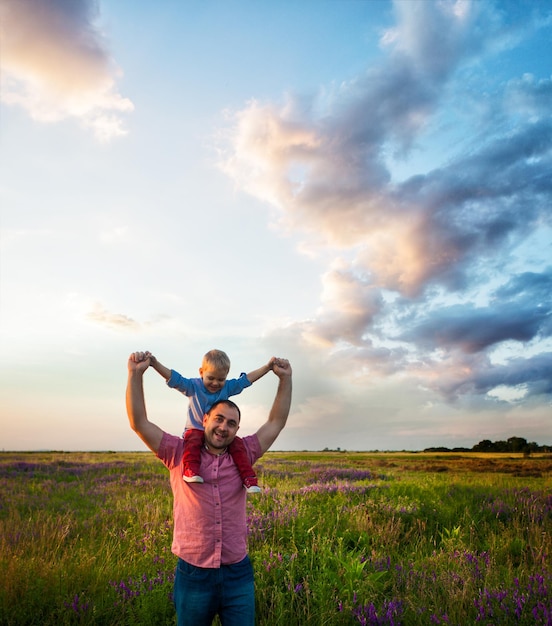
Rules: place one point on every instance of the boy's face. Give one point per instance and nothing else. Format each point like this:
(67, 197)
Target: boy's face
(213, 378)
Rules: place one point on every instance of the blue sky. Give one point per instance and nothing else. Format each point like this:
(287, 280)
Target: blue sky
(361, 187)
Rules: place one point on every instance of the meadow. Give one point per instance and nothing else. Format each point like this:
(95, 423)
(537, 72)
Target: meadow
(335, 538)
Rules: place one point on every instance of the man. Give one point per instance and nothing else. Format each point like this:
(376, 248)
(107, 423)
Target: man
(214, 574)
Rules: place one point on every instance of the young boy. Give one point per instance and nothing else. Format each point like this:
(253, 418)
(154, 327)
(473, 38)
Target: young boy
(203, 392)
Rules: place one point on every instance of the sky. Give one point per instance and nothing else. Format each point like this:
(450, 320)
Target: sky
(362, 187)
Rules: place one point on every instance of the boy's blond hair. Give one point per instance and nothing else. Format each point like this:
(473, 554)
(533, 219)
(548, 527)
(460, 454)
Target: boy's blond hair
(216, 359)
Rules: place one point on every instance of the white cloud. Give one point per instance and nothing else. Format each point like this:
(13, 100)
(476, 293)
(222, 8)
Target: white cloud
(447, 231)
(55, 64)
(118, 321)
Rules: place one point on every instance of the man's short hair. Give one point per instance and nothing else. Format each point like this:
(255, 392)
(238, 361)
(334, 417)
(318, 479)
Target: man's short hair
(229, 403)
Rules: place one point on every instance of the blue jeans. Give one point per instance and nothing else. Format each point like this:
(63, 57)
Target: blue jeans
(200, 593)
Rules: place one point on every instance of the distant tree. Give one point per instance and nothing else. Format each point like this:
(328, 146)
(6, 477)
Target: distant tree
(513, 444)
(517, 444)
(484, 446)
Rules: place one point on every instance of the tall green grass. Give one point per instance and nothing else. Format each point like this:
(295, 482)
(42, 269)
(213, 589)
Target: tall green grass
(334, 538)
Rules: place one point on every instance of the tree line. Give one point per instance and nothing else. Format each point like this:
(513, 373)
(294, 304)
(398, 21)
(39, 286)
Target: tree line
(513, 444)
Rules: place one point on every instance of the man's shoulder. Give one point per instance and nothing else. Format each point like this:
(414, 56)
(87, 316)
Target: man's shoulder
(253, 446)
(170, 450)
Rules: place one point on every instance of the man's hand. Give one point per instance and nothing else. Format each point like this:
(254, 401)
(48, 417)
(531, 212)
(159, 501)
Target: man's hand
(139, 362)
(281, 367)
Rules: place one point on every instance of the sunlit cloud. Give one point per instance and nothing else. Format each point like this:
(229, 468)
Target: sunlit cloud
(56, 65)
(445, 232)
(348, 306)
(116, 321)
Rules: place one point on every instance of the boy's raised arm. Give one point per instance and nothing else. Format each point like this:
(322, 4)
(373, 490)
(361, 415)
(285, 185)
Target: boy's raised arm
(159, 367)
(261, 371)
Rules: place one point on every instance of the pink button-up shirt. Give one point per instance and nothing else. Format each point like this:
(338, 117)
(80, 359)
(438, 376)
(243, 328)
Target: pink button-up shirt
(209, 518)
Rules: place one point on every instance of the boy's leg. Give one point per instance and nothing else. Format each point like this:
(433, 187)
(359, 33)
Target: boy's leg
(193, 440)
(247, 473)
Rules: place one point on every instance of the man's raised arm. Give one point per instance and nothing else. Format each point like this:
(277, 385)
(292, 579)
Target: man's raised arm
(279, 412)
(149, 433)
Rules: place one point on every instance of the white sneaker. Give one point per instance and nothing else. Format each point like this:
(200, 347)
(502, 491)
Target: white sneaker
(192, 479)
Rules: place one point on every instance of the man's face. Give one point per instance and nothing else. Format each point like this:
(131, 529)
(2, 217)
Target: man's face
(221, 425)
(213, 378)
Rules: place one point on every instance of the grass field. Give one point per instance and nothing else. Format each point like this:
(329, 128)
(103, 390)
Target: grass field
(335, 538)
